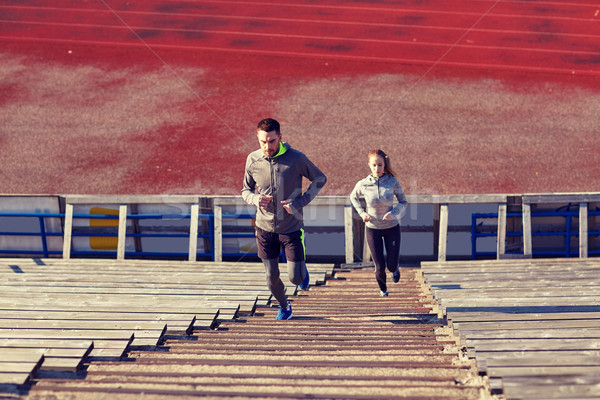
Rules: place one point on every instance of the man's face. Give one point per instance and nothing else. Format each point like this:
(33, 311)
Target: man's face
(269, 142)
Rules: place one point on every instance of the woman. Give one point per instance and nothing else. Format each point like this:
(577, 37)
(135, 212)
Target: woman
(381, 217)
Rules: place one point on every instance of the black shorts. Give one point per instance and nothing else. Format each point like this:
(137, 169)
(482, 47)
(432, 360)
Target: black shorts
(270, 243)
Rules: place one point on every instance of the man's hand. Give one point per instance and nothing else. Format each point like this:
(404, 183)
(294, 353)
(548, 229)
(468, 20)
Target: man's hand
(367, 218)
(264, 201)
(286, 205)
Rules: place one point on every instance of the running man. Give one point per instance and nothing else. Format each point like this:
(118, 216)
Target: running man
(273, 183)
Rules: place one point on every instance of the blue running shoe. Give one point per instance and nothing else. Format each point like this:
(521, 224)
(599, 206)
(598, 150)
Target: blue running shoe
(285, 313)
(396, 276)
(306, 282)
(383, 294)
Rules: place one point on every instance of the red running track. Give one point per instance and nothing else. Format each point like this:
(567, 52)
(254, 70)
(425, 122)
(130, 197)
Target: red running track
(514, 35)
(230, 63)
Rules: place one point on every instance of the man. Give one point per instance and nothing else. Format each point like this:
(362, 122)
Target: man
(273, 183)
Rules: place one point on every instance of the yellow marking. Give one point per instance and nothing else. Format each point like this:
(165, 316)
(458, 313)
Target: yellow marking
(103, 242)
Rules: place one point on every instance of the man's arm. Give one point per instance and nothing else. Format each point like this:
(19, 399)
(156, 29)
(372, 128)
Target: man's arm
(317, 181)
(249, 187)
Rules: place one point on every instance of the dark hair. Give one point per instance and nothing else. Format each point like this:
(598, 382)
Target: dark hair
(387, 167)
(268, 125)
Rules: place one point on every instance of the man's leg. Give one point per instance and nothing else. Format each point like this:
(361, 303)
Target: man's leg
(268, 251)
(293, 245)
(274, 282)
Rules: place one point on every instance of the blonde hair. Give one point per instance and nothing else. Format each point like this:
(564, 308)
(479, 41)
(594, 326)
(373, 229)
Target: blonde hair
(387, 167)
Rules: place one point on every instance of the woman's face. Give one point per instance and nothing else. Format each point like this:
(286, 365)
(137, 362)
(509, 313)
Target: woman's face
(376, 165)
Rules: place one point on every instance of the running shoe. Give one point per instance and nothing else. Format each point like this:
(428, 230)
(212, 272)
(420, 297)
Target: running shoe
(285, 313)
(305, 283)
(396, 276)
(383, 294)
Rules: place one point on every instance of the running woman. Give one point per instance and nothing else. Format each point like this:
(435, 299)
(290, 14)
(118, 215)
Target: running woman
(381, 217)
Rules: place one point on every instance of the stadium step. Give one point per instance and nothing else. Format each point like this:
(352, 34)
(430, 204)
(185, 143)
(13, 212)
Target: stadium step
(344, 341)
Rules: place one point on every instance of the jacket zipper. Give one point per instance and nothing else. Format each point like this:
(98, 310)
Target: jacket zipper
(273, 194)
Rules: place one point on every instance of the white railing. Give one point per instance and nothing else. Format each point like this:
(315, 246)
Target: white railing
(440, 204)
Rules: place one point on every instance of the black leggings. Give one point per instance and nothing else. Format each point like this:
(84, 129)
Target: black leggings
(377, 238)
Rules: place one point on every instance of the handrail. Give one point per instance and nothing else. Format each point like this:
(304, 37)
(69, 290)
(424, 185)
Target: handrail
(567, 233)
(441, 208)
(43, 234)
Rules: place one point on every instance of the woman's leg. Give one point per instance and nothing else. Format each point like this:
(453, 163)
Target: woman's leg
(374, 240)
(391, 239)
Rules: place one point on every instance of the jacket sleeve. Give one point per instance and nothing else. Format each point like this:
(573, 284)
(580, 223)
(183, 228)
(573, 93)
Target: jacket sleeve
(400, 208)
(317, 180)
(249, 186)
(355, 200)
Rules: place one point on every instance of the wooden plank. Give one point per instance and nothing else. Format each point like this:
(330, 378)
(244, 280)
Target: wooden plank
(587, 197)
(456, 198)
(348, 234)
(318, 201)
(67, 353)
(80, 334)
(501, 236)
(122, 231)
(64, 364)
(583, 230)
(18, 365)
(536, 388)
(218, 230)
(68, 231)
(46, 343)
(14, 378)
(532, 325)
(131, 199)
(129, 317)
(537, 358)
(81, 324)
(193, 244)
(115, 300)
(527, 250)
(545, 370)
(479, 317)
(443, 232)
(57, 303)
(533, 344)
(522, 332)
(23, 355)
(222, 292)
(119, 308)
(507, 264)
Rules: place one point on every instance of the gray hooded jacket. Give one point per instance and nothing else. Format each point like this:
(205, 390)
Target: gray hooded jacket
(379, 196)
(281, 177)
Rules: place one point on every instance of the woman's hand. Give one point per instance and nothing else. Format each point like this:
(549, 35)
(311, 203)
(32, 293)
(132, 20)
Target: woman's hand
(367, 218)
(388, 217)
